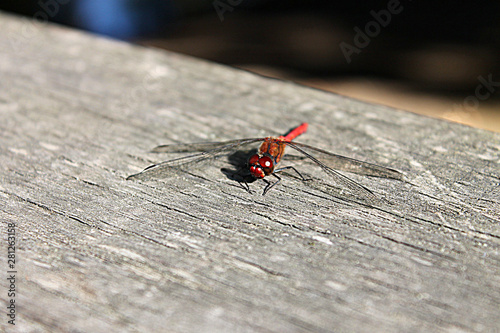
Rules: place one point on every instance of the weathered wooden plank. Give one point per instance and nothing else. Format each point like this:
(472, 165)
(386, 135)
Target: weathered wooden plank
(196, 252)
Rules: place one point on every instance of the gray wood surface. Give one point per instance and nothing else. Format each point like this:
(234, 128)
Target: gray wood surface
(197, 253)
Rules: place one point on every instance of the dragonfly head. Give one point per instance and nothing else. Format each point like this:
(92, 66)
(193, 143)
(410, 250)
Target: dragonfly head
(260, 166)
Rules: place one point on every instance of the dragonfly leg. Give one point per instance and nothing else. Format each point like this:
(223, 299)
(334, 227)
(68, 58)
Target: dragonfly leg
(296, 171)
(245, 185)
(269, 184)
(242, 179)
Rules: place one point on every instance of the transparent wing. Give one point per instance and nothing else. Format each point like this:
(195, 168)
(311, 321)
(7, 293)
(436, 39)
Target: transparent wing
(207, 150)
(342, 163)
(201, 146)
(330, 161)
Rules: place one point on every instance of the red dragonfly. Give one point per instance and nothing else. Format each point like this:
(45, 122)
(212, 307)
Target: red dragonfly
(265, 161)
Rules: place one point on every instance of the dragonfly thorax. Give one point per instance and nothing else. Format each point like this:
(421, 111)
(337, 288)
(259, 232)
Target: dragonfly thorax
(260, 165)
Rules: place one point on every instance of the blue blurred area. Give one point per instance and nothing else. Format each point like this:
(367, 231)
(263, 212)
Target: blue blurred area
(124, 19)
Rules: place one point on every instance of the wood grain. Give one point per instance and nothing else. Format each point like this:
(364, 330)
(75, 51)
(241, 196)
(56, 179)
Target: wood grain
(197, 253)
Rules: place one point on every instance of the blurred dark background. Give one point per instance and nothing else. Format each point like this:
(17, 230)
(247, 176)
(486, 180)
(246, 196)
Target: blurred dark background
(439, 58)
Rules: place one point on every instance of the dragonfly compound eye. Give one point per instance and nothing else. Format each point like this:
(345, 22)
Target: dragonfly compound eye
(257, 171)
(253, 159)
(266, 162)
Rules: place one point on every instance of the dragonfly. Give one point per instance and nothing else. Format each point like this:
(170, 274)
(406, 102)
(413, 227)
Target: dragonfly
(265, 161)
